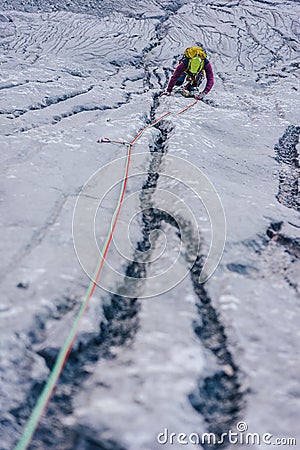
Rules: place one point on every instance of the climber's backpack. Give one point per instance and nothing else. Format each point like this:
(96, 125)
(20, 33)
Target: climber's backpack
(196, 60)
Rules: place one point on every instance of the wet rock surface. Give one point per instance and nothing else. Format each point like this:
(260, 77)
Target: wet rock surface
(197, 358)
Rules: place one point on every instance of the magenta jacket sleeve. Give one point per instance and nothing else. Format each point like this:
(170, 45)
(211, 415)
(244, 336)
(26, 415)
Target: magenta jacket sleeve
(209, 77)
(178, 72)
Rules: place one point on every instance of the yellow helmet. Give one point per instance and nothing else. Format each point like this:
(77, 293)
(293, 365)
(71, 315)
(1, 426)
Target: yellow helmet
(193, 52)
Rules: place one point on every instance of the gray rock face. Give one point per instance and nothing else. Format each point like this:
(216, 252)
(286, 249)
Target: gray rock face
(195, 358)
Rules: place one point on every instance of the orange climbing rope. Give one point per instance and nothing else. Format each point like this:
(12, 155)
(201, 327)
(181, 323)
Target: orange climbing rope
(65, 351)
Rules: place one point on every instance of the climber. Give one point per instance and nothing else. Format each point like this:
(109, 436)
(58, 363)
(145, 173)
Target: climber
(190, 73)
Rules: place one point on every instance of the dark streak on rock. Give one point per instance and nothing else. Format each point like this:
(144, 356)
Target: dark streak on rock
(219, 397)
(291, 245)
(289, 172)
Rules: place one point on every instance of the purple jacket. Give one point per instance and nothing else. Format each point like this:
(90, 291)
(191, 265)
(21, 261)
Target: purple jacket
(179, 71)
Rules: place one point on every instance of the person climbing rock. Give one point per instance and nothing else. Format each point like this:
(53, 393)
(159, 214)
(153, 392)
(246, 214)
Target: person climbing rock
(190, 72)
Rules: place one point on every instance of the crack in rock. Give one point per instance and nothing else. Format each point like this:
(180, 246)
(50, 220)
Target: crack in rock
(46, 102)
(219, 397)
